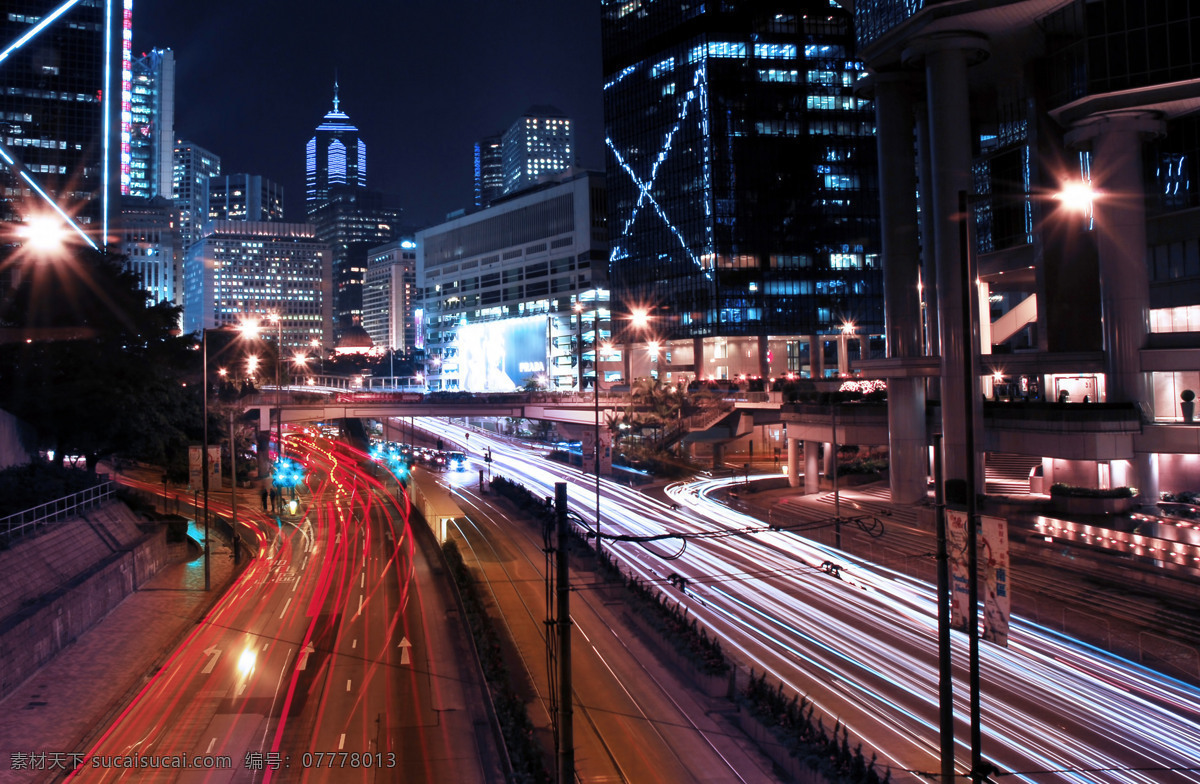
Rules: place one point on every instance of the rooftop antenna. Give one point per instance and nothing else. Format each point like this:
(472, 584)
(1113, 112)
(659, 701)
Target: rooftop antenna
(335, 90)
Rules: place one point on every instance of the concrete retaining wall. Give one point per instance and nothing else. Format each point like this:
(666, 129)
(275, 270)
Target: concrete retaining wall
(56, 586)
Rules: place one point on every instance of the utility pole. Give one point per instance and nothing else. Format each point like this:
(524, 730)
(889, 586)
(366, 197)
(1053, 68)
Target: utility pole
(566, 738)
(945, 665)
(233, 483)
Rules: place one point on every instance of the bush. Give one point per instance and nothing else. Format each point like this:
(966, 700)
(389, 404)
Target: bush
(1058, 489)
(27, 486)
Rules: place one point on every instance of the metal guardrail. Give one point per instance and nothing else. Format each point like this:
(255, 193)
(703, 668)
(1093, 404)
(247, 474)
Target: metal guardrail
(18, 526)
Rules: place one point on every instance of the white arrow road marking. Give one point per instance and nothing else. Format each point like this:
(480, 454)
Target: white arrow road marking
(215, 653)
(404, 647)
(304, 655)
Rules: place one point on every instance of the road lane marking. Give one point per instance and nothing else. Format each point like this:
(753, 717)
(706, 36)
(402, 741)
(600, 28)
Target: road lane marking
(404, 647)
(342, 742)
(363, 582)
(285, 606)
(360, 601)
(304, 654)
(354, 644)
(211, 743)
(213, 653)
(347, 684)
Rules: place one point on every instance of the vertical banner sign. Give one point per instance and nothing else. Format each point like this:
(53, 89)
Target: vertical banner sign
(996, 598)
(195, 466)
(956, 546)
(605, 450)
(214, 466)
(588, 446)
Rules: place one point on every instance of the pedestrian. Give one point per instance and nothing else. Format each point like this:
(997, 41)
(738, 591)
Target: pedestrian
(274, 498)
(264, 499)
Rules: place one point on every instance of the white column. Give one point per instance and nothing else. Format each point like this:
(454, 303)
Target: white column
(812, 471)
(793, 462)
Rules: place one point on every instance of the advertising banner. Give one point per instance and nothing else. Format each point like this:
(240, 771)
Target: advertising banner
(956, 548)
(996, 597)
(605, 450)
(588, 446)
(501, 356)
(196, 466)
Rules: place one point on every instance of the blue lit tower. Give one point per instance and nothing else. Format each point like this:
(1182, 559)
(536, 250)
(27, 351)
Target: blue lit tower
(62, 98)
(489, 170)
(334, 156)
(742, 195)
(347, 216)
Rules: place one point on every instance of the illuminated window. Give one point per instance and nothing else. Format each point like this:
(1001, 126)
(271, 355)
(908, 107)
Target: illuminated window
(775, 51)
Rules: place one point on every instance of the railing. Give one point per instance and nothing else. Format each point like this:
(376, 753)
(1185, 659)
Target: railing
(22, 524)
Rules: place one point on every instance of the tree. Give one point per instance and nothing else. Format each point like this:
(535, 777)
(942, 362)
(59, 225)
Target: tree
(115, 387)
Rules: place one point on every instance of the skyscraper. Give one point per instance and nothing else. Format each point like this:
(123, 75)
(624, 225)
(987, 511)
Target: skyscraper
(248, 197)
(152, 128)
(61, 95)
(346, 215)
(743, 208)
(335, 155)
(538, 142)
(390, 296)
(489, 170)
(193, 166)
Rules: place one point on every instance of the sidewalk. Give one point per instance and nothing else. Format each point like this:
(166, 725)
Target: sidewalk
(63, 707)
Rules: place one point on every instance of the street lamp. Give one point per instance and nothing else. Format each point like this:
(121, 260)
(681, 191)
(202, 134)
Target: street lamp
(277, 318)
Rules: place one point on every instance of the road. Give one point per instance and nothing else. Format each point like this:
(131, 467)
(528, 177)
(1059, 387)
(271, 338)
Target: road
(325, 661)
(863, 647)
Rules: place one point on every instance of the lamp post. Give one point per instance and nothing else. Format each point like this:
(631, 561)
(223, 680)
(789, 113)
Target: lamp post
(277, 318)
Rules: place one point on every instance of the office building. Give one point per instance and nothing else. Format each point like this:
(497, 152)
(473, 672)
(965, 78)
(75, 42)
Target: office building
(152, 126)
(741, 176)
(61, 96)
(500, 289)
(489, 170)
(390, 297)
(1089, 315)
(539, 142)
(240, 269)
(248, 197)
(194, 166)
(149, 242)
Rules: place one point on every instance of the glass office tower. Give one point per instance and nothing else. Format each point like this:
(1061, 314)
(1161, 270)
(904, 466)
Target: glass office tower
(741, 163)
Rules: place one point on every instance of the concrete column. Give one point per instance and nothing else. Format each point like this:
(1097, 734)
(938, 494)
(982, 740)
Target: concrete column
(812, 471)
(908, 453)
(718, 456)
(1120, 218)
(816, 356)
(793, 464)
(946, 60)
(764, 367)
(828, 462)
(843, 354)
(698, 357)
(929, 293)
(894, 122)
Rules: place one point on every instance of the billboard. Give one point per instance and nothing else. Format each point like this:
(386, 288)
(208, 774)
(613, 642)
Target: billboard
(996, 599)
(499, 356)
(956, 547)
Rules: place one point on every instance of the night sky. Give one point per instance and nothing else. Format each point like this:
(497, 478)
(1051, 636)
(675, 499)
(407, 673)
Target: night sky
(422, 80)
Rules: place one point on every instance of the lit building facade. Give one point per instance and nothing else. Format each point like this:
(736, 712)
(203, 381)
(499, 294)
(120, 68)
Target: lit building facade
(193, 168)
(539, 142)
(1092, 307)
(63, 87)
(152, 126)
(240, 269)
(742, 191)
(489, 170)
(500, 289)
(390, 297)
(248, 197)
(149, 242)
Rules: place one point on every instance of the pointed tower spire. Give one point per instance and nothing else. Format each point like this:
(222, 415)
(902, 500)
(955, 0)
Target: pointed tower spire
(335, 90)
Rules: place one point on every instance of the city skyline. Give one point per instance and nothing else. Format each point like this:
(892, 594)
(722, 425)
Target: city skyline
(419, 103)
